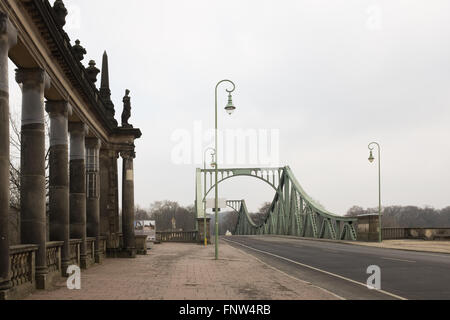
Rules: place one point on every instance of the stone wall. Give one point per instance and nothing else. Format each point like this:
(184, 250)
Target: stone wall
(368, 228)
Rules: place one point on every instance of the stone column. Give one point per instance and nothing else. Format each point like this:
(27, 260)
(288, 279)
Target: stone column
(93, 192)
(32, 158)
(8, 38)
(77, 196)
(59, 178)
(129, 241)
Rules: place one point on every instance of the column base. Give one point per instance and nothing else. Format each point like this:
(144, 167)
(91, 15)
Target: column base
(98, 257)
(4, 294)
(17, 293)
(42, 282)
(112, 252)
(64, 266)
(5, 286)
(84, 264)
(129, 253)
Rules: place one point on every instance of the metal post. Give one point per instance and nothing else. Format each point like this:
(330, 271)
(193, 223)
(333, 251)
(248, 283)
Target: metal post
(371, 159)
(204, 200)
(216, 221)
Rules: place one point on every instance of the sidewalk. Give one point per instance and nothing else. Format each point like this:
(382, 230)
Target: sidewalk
(174, 271)
(412, 245)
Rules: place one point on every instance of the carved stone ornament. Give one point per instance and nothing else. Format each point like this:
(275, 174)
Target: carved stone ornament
(126, 114)
(92, 71)
(60, 12)
(79, 51)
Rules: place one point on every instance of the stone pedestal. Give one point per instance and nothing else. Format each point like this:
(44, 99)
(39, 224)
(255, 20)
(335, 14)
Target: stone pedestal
(59, 178)
(78, 131)
(129, 241)
(368, 228)
(8, 38)
(201, 230)
(32, 193)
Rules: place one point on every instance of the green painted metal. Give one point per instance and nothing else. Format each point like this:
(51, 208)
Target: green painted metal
(292, 212)
(372, 159)
(229, 108)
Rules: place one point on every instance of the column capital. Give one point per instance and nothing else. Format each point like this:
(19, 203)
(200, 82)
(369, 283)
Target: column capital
(128, 154)
(78, 128)
(7, 30)
(33, 76)
(93, 142)
(58, 108)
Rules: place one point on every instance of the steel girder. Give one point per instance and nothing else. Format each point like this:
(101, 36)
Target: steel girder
(292, 211)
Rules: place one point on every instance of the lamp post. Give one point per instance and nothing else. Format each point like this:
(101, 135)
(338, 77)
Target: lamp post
(213, 153)
(230, 109)
(372, 159)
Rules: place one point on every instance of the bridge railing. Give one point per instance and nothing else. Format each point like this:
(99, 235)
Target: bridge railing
(416, 233)
(177, 236)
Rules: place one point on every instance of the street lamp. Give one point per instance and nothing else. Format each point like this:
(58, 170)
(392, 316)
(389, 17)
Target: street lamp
(230, 108)
(371, 160)
(213, 153)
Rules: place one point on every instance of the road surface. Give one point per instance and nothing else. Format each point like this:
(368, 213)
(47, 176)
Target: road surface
(342, 268)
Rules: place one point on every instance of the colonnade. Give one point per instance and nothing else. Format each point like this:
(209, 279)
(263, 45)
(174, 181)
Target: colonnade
(74, 187)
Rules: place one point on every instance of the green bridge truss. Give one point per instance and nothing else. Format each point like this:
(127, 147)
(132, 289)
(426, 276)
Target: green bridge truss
(292, 211)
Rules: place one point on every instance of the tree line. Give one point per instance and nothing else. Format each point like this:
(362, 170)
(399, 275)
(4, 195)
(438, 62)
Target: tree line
(407, 216)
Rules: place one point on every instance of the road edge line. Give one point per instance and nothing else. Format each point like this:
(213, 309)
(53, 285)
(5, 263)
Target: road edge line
(288, 275)
(316, 269)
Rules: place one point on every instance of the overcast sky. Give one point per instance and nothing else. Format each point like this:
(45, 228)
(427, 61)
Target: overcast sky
(326, 77)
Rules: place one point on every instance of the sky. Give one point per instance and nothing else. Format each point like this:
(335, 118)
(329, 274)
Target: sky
(318, 79)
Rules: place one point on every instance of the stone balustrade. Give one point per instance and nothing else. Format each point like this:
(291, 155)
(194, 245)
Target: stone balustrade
(90, 251)
(416, 233)
(53, 252)
(75, 245)
(177, 236)
(23, 263)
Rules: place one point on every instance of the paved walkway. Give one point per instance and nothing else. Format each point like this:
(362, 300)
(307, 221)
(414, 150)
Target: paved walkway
(187, 272)
(412, 245)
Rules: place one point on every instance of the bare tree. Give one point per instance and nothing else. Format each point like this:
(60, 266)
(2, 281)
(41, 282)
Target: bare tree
(408, 216)
(164, 212)
(14, 161)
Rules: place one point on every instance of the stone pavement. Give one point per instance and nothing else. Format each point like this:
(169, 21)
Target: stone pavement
(174, 271)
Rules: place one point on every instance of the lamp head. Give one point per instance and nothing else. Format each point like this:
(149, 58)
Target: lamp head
(371, 158)
(230, 106)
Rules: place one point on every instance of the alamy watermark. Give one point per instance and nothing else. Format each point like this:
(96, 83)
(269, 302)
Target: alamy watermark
(237, 147)
(374, 281)
(374, 20)
(74, 280)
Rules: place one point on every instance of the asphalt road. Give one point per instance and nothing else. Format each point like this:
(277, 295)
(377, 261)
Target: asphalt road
(342, 268)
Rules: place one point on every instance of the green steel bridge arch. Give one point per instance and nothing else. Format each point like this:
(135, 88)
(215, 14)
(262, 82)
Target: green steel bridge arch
(292, 212)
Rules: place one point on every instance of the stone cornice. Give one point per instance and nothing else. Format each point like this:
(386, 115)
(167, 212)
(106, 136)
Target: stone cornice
(59, 44)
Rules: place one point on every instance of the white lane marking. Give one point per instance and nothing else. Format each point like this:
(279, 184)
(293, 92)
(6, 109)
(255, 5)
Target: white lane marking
(292, 277)
(317, 269)
(386, 258)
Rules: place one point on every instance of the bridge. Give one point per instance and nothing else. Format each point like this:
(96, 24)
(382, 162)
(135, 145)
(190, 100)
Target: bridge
(292, 212)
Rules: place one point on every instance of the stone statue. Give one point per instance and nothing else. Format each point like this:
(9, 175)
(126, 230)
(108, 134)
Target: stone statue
(78, 51)
(92, 71)
(126, 114)
(60, 12)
